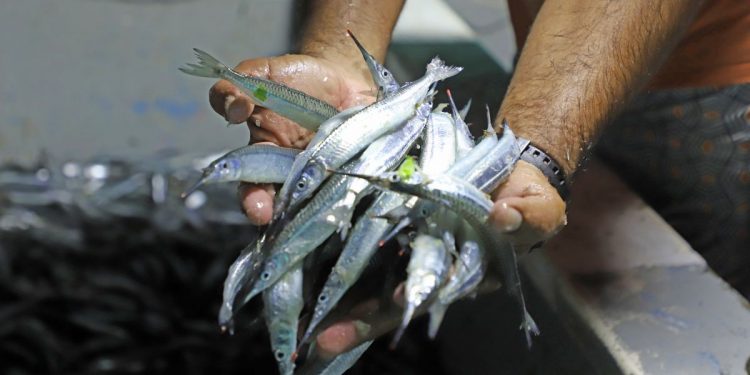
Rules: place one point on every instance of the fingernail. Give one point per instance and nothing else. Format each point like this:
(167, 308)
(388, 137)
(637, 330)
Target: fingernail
(228, 102)
(512, 218)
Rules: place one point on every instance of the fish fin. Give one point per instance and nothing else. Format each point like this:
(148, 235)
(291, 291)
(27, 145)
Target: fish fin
(465, 110)
(343, 229)
(208, 66)
(408, 314)
(440, 107)
(454, 109)
(440, 71)
(437, 312)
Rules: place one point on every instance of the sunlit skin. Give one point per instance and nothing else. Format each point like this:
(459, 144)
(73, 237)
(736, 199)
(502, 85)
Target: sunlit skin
(565, 87)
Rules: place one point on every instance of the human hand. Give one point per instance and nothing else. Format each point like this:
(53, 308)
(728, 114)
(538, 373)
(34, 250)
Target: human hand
(527, 210)
(527, 207)
(340, 84)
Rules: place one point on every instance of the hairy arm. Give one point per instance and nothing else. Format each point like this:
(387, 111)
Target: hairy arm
(581, 63)
(372, 21)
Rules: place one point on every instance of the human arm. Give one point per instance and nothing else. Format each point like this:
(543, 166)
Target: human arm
(581, 63)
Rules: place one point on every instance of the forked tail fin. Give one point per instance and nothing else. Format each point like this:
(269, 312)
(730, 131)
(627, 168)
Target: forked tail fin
(208, 66)
(440, 71)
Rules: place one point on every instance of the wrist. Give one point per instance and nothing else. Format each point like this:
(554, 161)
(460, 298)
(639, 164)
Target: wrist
(562, 143)
(548, 166)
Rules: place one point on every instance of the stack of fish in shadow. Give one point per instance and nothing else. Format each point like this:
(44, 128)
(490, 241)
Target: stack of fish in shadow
(436, 208)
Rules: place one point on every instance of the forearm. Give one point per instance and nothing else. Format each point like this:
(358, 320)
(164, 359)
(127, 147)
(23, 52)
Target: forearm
(372, 21)
(581, 63)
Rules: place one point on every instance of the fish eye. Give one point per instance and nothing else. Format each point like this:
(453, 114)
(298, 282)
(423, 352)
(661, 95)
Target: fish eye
(265, 276)
(385, 73)
(224, 165)
(393, 178)
(280, 355)
(301, 185)
(322, 298)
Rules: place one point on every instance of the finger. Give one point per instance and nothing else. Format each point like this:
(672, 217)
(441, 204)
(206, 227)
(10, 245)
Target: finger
(506, 218)
(257, 202)
(368, 321)
(227, 100)
(282, 131)
(528, 205)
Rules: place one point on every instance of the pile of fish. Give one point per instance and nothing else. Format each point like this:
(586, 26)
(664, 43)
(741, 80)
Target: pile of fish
(437, 206)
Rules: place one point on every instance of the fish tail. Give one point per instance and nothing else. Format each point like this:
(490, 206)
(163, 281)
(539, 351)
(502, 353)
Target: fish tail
(440, 71)
(529, 327)
(507, 133)
(208, 66)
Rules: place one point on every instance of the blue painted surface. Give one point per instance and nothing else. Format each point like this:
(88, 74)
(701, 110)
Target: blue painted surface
(140, 107)
(178, 109)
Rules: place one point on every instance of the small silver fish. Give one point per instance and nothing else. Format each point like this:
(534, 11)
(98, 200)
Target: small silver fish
(468, 272)
(427, 270)
(282, 305)
(496, 166)
(239, 275)
(305, 110)
(254, 163)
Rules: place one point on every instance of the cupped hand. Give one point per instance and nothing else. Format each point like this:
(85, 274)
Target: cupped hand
(340, 84)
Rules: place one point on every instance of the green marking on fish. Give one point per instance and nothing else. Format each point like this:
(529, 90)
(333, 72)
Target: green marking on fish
(261, 93)
(407, 168)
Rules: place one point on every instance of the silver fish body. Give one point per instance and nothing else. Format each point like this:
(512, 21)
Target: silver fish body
(361, 244)
(254, 163)
(427, 270)
(283, 303)
(386, 152)
(336, 365)
(439, 147)
(307, 111)
(355, 134)
(240, 274)
(454, 193)
(497, 165)
(307, 230)
(468, 272)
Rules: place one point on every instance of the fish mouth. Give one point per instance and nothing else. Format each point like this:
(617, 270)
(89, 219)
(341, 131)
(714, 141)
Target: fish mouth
(197, 184)
(356, 41)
